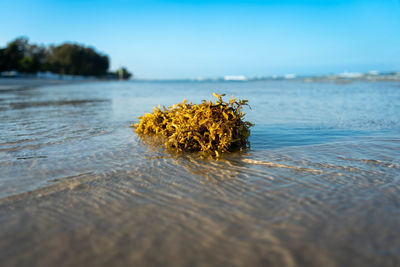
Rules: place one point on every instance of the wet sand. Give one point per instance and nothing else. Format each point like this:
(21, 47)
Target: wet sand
(20, 83)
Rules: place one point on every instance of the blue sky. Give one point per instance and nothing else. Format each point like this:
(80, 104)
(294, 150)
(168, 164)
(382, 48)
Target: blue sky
(190, 39)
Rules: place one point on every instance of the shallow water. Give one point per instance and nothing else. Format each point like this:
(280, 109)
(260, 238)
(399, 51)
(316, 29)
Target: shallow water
(320, 185)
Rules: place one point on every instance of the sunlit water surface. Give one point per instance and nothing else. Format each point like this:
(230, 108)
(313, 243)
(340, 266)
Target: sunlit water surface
(320, 185)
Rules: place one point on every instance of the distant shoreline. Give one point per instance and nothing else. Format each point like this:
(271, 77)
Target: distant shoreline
(345, 77)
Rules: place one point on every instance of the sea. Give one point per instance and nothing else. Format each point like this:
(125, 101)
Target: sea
(319, 185)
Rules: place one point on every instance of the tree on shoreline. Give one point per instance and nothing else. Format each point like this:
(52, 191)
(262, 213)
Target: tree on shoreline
(12, 56)
(64, 59)
(75, 59)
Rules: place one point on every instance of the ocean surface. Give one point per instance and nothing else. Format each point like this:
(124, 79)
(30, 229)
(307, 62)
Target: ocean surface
(320, 185)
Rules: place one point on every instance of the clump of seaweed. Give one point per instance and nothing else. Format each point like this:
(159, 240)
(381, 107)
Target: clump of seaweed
(210, 128)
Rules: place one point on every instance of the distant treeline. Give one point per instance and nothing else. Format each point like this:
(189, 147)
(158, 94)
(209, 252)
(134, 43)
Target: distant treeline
(65, 59)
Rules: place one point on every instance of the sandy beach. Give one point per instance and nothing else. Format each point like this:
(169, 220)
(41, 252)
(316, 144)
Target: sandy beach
(319, 186)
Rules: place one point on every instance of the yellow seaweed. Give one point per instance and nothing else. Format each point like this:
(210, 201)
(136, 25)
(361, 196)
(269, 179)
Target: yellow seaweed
(211, 128)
